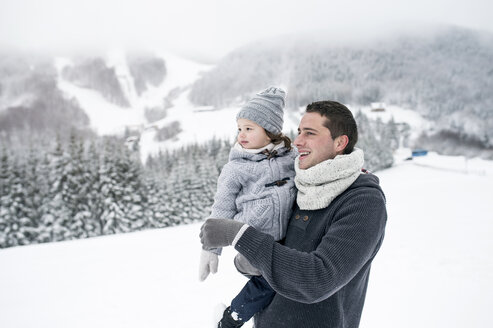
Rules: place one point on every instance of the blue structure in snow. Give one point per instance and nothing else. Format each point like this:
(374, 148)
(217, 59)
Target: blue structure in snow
(419, 152)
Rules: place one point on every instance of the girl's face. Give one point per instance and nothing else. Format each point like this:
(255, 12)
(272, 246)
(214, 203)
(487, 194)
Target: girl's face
(251, 135)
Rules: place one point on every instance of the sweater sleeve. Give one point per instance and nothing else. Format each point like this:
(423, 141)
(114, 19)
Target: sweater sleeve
(228, 188)
(349, 243)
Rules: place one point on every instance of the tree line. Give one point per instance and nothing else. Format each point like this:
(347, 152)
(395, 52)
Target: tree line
(78, 186)
(81, 189)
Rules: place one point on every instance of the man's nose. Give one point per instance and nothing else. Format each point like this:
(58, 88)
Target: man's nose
(298, 141)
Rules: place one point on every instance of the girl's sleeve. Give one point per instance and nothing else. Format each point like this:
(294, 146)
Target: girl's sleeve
(228, 188)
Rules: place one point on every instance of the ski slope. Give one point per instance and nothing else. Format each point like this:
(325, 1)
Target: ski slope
(197, 124)
(434, 269)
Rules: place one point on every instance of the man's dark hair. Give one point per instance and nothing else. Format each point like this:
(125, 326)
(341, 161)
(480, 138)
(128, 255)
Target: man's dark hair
(339, 120)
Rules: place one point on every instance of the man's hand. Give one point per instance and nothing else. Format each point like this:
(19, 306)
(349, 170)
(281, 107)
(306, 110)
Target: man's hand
(208, 264)
(216, 233)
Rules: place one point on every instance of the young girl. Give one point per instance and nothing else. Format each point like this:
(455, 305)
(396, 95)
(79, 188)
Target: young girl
(256, 187)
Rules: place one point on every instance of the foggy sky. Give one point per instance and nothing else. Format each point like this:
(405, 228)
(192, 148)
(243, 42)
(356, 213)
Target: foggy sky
(213, 27)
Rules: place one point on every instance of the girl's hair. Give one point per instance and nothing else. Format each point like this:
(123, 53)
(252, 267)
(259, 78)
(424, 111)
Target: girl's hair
(278, 138)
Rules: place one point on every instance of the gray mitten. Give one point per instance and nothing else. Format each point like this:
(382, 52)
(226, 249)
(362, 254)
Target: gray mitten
(219, 232)
(245, 267)
(208, 264)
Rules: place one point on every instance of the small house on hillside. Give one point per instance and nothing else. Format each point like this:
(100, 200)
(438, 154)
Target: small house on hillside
(378, 107)
(132, 143)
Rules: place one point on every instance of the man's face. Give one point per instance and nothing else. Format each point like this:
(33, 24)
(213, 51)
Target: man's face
(314, 141)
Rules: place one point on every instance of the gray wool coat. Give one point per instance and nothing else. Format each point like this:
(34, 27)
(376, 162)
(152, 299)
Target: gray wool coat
(247, 190)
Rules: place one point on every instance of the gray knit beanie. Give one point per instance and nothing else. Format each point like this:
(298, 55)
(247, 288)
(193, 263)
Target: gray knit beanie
(266, 109)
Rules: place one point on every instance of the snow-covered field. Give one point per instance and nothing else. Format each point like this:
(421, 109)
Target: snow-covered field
(436, 267)
(434, 270)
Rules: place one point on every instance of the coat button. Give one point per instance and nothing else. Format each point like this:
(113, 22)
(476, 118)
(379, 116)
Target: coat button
(297, 216)
(305, 218)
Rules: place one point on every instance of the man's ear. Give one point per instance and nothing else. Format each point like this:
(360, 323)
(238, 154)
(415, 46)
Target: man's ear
(341, 143)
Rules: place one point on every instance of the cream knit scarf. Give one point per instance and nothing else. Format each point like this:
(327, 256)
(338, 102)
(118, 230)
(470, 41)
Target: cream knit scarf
(320, 184)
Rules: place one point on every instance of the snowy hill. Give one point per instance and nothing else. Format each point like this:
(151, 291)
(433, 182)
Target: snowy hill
(195, 123)
(444, 74)
(148, 98)
(107, 118)
(112, 95)
(102, 113)
(434, 268)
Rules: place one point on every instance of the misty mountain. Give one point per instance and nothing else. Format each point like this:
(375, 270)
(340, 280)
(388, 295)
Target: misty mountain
(95, 74)
(146, 70)
(447, 76)
(30, 99)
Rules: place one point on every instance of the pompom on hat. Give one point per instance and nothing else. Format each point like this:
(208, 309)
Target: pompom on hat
(266, 109)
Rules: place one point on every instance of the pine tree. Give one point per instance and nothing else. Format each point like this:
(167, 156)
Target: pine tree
(45, 222)
(75, 192)
(133, 197)
(157, 210)
(392, 134)
(95, 201)
(5, 197)
(21, 226)
(223, 155)
(110, 191)
(35, 188)
(375, 141)
(178, 191)
(122, 188)
(56, 215)
(207, 174)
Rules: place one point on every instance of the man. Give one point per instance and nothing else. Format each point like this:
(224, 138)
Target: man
(320, 271)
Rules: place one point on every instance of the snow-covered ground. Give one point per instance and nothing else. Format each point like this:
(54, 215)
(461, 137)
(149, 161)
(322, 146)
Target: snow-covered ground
(434, 269)
(436, 266)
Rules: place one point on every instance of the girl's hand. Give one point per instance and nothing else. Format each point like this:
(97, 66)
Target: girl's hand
(208, 264)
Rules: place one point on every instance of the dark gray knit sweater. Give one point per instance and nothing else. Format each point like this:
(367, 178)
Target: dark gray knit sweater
(321, 272)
